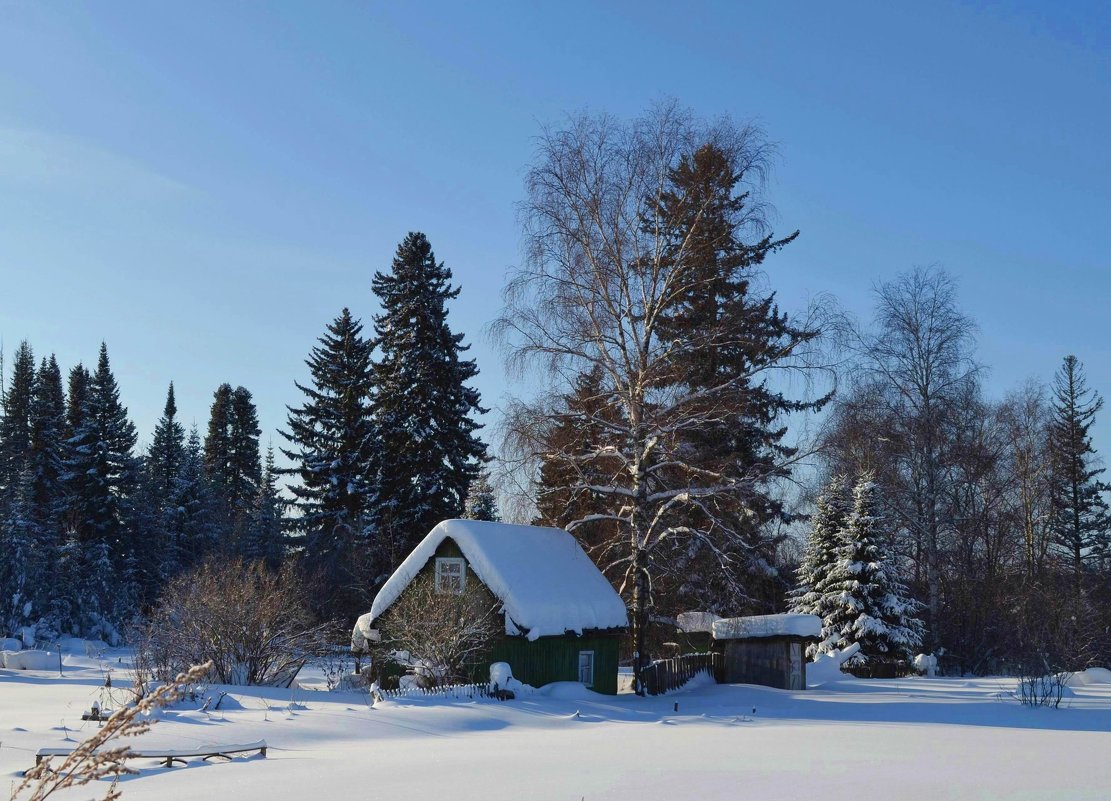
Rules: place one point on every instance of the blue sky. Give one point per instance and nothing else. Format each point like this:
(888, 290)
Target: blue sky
(204, 185)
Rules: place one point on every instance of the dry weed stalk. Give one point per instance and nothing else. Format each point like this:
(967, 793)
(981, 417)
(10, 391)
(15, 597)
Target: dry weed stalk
(102, 755)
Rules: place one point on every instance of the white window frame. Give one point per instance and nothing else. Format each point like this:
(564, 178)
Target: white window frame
(580, 666)
(441, 561)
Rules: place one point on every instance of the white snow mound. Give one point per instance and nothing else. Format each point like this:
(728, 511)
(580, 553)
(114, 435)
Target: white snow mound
(547, 584)
(743, 628)
(1094, 675)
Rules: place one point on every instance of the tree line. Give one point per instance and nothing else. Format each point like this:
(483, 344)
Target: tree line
(92, 528)
(666, 435)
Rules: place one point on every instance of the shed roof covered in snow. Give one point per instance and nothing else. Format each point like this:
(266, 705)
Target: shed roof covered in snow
(545, 581)
(756, 626)
(696, 622)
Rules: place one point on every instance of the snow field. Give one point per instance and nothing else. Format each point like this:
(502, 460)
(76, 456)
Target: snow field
(911, 739)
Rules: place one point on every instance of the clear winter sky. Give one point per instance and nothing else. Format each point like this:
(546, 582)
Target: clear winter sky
(205, 184)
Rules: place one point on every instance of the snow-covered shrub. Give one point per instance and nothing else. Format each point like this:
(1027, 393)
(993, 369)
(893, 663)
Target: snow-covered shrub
(250, 622)
(925, 664)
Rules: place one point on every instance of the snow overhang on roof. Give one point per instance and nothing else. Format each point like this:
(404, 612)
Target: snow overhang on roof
(756, 626)
(547, 584)
(695, 622)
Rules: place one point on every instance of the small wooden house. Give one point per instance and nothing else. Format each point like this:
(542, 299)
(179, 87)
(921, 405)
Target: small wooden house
(563, 621)
(766, 649)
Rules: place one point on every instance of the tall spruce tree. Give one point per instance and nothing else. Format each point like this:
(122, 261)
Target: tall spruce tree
(194, 528)
(48, 422)
(820, 555)
(22, 561)
(421, 404)
(15, 425)
(715, 234)
(1081, 521)
(333, 448)
(100, 469)
(869, 603)
(265, 540)
(232, 460)
(161, 470)
(100, 479)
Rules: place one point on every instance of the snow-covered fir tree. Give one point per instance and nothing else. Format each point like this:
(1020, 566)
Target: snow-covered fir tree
(100, 478)
(482, 501)
(422, 407)
(869, 603)
(23, 564)
(158, 512)
(333, 448)
(48, 410)
(193, 526)
(232, 459)
(265, 538)
(15, 425)
(820, 554)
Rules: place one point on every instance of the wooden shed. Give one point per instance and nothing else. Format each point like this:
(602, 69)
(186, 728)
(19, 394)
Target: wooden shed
(563, 621)
(766, 649)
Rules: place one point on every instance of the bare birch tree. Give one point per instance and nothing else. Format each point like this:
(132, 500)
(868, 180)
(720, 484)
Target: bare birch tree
(609, 269)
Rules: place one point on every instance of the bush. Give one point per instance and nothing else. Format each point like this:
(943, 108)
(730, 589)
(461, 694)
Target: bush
(440, 636)
(249, 621)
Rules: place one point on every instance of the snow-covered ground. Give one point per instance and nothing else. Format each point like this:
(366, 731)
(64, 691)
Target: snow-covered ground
(909, 739)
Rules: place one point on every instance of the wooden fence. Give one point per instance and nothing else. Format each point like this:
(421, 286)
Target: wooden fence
(665, 675)
(446, 691)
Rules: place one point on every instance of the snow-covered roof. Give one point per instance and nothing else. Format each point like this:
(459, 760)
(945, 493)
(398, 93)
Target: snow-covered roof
(545, 581)
(744, 628)
(695, 622)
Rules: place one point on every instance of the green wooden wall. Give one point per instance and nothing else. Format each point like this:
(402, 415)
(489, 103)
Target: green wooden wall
(551, 659)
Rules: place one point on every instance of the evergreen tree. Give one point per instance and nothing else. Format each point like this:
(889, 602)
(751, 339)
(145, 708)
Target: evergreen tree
(100, 468)
(246, 457)
(332, 444)
(167, 450)
(576, 453)
(217, 447)
(421, 404)
(265, 539)
(77, 396)
(161, 471)
(482, 501)
(1081, 521)
(821, 554)
(100, 479)
(22, 561)
(48, 423)
(15, 425)
(193, 528)
(869, 604)
(231, 458)
(715, 235)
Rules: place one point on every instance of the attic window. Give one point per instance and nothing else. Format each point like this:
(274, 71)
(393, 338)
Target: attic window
(451, 575)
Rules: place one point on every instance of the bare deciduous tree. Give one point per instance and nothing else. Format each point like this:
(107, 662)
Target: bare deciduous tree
(609, 274)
